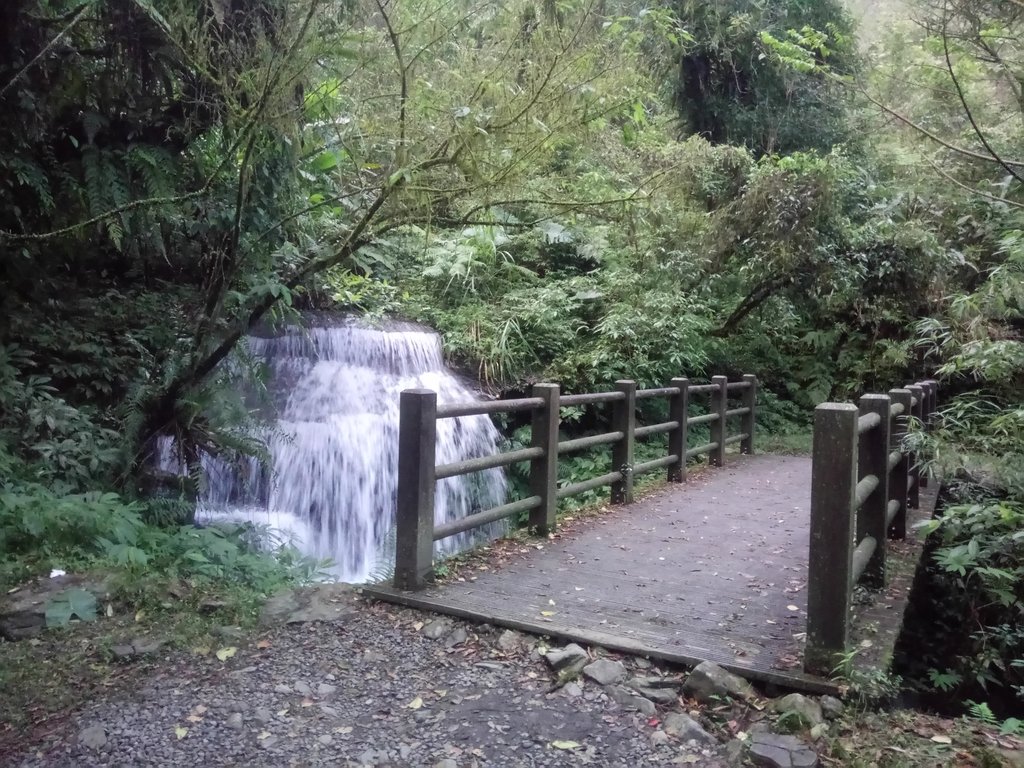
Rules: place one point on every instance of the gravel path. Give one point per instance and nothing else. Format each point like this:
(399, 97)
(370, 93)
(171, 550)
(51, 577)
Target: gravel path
(382, 687)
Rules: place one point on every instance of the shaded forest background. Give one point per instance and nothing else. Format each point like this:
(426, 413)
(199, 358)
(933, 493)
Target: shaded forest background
(577, 191)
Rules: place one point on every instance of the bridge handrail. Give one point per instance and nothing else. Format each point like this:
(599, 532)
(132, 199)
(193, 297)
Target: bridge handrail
(863, 480)
(418, 471)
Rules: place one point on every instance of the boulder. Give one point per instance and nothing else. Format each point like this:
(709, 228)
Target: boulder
(629, 700)
(318, 602)
(685, 728)
(808, 709)
(572, 658)
(831, 707)
(605, 672)
(436, 629)
(23, 610)
(658, 689)
(708, 682)
(770, 750)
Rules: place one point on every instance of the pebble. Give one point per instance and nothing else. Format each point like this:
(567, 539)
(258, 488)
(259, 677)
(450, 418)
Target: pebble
(510, 709)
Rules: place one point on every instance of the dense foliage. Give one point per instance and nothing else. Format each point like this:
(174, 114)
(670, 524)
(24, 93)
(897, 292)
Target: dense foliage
(580, 191)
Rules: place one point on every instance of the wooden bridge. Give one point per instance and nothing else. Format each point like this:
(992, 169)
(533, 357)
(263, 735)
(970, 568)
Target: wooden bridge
(751, 564)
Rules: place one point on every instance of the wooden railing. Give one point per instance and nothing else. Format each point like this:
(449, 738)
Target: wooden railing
(418, 472)
(863, 479)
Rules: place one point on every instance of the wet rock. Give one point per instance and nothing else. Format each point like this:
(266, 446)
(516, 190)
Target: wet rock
(93, 737)
(709, 682)
(436, 629)
(572, 657)
(630, 700)
(456, 637)
(658, 690)
(23, 611)
(685, 728)
(605, 672)
(229, 633)
(831, 707)
(770, 750)
(319, 602)
(123, 651)
(510, 641)
(806, 708)
(573, 690)
(145, 646)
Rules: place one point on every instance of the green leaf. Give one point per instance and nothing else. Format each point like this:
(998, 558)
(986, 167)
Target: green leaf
(73, 602)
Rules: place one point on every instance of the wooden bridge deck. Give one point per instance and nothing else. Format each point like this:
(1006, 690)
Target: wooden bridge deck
(715, 569)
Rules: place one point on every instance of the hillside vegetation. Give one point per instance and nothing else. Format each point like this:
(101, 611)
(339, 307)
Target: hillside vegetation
(577, 191)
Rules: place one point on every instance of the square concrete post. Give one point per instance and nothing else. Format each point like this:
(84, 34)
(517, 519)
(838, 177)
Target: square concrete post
(916, 391)
(830, 566)
(873, 459)
(624, 421)
(749, 421)
(719, 427)
(414, 519)
(898, 479)
(678, 439)
(544, 469)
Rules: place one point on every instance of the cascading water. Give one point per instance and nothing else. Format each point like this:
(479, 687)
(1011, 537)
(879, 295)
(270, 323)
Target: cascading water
(331, 481)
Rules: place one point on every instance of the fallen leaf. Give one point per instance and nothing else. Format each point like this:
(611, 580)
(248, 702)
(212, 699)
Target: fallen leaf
(566, 744)
(343, 729)
(194, 719)
(547, 613)
(263, 645)
(282, 712)
(226, 653)
(307, 702)
(942, 739)
(139, 616)
(792, 608)
(415, 703)
(201, 651)
(180, 732)
(263, 735)
(199, 709)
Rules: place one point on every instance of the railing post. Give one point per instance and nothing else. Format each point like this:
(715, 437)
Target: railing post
(679, 410)
(914, 500)
(624, 421)
(873, 459)
(927, 417)
(414, 519)
(719, 427)
(830, 566)
(898, 479)
(749, 421)
(544, 470)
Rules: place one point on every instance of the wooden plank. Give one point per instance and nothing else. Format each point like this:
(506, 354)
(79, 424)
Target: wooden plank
(705, 571)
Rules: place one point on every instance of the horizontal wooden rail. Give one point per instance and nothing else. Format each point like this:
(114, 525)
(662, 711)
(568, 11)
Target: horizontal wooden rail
(486, 462)
(707, 418)
(656, 429)
(591, 441)
(651, 466)
(863, 480)
(591, 399)
(645, 394)
(701, 449)
(492, 515)
(418, 473)
(490, 406)
(867, 422)
(594, 483)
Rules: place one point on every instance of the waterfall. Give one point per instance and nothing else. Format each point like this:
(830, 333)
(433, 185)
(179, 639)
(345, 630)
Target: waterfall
(330, 485)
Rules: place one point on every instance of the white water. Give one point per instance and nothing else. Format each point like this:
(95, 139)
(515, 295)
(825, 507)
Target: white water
(331, 483)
